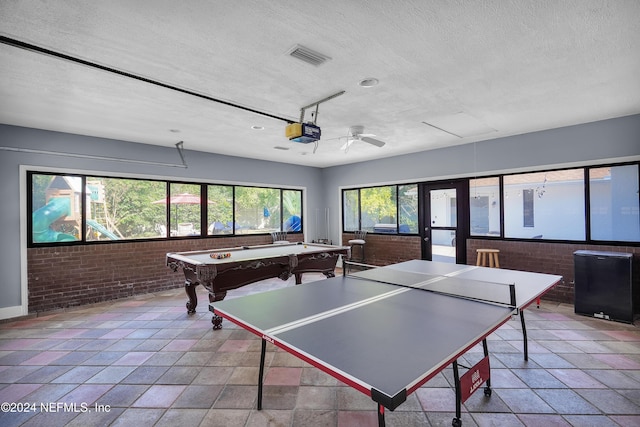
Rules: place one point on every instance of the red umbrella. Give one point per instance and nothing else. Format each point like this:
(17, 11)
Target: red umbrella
(182, 199)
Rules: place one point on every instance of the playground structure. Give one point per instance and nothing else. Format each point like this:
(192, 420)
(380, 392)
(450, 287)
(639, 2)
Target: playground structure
(43, 218)
(60, 219)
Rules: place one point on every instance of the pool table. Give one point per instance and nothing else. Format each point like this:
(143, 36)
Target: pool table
(241, 266)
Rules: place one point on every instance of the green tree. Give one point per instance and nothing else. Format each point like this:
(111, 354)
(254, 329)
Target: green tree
(39, 184)
(128, 209)
(378, 205)
(258, 208)
(220, 210)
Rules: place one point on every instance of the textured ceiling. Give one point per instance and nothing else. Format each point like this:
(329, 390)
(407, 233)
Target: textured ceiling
(450, 72)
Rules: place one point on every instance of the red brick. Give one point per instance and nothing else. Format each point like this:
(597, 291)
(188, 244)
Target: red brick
(69, 276)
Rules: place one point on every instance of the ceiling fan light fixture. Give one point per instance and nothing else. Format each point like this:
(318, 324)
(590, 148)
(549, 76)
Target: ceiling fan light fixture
(356, 130)
(369, 82)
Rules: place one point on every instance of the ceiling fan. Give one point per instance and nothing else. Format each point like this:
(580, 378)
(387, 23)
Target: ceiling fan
(356, 133)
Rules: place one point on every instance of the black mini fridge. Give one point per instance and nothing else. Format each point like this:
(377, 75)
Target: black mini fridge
(603, 285)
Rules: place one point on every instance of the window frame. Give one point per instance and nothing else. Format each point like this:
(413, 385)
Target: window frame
(587, 205)
(204, 233)
(501, 188)
(588, 202)
(398, 227)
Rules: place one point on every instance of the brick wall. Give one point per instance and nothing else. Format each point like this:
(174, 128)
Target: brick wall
(538, 257)
(383, 249)
(546, 257)
(68, 276)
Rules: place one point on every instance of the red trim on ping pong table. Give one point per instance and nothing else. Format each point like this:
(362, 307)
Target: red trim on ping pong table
(540, 295)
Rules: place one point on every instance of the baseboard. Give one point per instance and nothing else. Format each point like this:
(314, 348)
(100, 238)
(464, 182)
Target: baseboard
(10, 312)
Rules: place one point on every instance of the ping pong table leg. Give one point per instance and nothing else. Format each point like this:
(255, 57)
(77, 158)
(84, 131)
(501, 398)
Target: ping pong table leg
(524, 335)
(457, 421)
(487, 388)
(261, 373)
(380, 415)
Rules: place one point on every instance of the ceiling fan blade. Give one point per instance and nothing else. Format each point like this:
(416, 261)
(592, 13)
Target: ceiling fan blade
(373, 141)
(347, 144)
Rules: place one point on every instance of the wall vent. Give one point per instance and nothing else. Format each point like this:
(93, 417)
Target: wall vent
(307, 55)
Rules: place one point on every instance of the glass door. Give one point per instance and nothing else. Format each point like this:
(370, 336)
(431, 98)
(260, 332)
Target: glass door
(443, 238)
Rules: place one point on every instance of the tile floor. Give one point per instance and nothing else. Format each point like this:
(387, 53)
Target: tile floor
(143, 361)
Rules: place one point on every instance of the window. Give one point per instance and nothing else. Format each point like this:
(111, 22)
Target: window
(484, 206)
(379, 209)
(74, 208)
(292, 210)
(350, 210)
(444, 210)
(391, 209)
(56, 208)
(125, 209)
(549, 205)
(408, 208)
(614, 203)
(220, 209)
(257, 210)
(185, 206)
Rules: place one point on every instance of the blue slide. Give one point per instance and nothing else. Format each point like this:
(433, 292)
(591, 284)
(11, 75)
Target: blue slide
(101, 229)
(52, 211)
(47, 215)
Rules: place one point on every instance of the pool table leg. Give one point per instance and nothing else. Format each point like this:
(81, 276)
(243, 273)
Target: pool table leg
(213, 297)
(190, 290)
(328, 273)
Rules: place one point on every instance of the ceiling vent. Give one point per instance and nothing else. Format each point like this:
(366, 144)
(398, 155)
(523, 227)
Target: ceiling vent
(307, 55)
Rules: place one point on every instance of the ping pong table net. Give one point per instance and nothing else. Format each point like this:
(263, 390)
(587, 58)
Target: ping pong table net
(449, 284)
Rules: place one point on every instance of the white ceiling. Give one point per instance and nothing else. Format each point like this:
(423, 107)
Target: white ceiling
(477, 69)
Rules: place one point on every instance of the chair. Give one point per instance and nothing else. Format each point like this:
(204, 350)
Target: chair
(185, 229)
(161, 229)
(279, 237)
(358, 240)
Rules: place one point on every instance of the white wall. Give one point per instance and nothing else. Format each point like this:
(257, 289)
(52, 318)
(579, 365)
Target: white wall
(557, 214)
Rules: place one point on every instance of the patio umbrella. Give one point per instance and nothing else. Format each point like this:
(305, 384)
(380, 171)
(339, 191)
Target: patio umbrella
(181, 199)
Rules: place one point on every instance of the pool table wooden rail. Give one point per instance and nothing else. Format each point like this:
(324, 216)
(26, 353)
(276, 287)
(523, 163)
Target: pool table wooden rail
(250, 264)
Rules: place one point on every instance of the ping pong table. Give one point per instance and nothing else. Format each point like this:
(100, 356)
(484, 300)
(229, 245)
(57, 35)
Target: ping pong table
(387, 331)
(530, 286)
